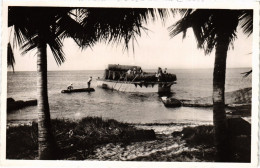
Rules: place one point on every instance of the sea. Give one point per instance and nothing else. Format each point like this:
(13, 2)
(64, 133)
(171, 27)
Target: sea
(135, 108)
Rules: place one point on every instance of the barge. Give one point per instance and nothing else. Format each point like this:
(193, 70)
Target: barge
(126, 78)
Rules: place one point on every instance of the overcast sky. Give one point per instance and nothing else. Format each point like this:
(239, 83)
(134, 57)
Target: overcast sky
(152, 50)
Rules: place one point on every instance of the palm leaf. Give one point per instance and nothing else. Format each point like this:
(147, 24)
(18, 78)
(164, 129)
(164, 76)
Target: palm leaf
(246, 21)
(209, 25)
(10, 56)
(51, 24)
(115, 25)
(86, 26)
(247, 73)
(67, 27)
(55, 45)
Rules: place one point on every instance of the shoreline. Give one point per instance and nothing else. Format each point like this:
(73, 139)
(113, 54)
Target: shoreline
(157, 127)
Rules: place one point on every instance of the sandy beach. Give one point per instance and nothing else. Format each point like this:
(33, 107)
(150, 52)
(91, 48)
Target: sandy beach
(166, 147)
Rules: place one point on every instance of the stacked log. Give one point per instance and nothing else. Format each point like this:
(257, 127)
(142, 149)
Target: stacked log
(117, 67)
(119, 73)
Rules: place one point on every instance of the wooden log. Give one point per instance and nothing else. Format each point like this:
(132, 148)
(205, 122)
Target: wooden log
(117, 67)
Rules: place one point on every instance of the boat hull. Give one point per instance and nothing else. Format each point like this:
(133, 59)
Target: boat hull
(127, 86)
(78, 90)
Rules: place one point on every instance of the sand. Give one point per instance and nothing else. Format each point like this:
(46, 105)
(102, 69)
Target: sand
(164, 148)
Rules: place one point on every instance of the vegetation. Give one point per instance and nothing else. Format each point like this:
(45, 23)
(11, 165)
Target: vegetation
(79, 140)
(201, 135)
(76, 140)
(240, 142)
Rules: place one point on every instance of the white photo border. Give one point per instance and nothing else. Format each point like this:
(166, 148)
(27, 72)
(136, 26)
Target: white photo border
(137, 4)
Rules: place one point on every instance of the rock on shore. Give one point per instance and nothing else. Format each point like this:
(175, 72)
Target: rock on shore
(18, 104)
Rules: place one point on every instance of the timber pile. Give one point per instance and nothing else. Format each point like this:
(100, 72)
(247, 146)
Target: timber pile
(114, 67)
(119, 73)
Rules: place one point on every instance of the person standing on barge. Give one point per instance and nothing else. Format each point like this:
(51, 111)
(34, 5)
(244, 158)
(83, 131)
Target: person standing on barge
(159, 74)
(89, 81)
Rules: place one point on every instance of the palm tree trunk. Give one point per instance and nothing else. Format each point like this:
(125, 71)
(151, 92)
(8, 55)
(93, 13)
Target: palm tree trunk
(219, 113)
(47, 147)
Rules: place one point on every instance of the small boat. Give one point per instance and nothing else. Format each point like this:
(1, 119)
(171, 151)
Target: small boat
(171, 102)
(78, 90)
(116, 77)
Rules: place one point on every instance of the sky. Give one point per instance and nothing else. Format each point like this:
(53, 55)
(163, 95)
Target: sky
(154, 50)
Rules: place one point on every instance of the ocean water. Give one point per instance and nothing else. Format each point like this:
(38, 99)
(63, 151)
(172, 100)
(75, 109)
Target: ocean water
(126, 107)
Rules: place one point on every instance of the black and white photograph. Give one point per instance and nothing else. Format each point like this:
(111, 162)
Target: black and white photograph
(130, 83)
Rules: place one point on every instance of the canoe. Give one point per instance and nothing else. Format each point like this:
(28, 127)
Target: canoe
(78, 90)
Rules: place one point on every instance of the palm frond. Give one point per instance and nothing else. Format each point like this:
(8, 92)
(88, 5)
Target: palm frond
(54, 23)
(247, 73)
(55, 45)
(115, 25)
(20, 36)
(209, 26)
(29, 45)
(86, 26)
(246, 21)
(10, 56)
(66, 27)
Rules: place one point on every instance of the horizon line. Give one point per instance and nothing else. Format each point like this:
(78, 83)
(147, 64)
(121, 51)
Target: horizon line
(104, 69)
